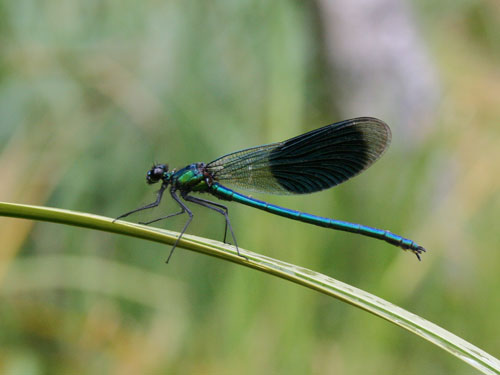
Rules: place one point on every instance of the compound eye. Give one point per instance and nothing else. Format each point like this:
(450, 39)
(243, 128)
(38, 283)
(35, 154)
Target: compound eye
(151, 177)
(158, 172)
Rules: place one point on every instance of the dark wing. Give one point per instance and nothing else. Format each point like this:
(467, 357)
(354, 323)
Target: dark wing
(310, 162)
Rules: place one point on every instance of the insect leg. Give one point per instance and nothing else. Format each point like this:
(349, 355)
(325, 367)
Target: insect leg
(163, 217)
(184, 208)
(151, 205)
(210, 204)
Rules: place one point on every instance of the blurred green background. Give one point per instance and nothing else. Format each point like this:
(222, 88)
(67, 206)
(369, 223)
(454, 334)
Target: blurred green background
(92, 92)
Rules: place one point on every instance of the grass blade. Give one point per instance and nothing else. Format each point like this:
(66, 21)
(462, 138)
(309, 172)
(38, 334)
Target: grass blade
(313, 280)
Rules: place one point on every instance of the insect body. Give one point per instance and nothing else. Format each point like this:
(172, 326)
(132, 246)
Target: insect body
(310, 162)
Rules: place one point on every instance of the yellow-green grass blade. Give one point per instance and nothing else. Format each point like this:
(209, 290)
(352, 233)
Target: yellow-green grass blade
(313, 280)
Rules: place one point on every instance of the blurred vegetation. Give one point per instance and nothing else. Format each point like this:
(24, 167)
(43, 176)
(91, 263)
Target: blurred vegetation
(92, 93)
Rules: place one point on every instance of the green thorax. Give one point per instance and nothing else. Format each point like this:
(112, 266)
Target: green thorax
(190, 178)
